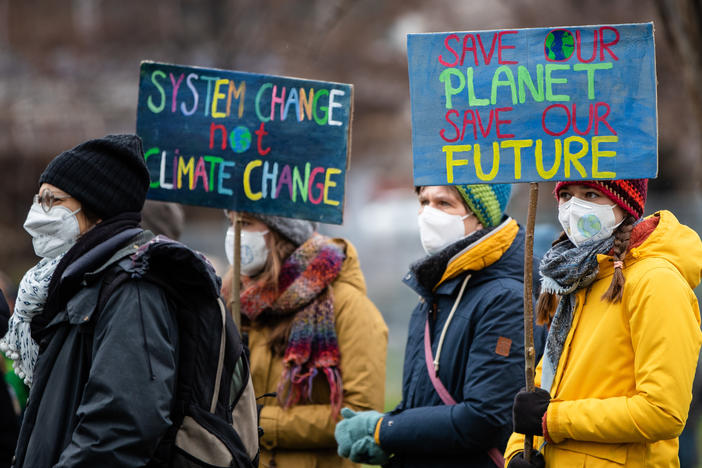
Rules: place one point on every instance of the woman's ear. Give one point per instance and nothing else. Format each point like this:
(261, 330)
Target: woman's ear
(85, 224)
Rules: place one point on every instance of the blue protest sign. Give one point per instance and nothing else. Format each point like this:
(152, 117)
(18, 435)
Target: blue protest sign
(531, 105)
(245, 142)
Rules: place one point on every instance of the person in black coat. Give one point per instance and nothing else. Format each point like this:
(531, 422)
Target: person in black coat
(102, 378)
(464, 359)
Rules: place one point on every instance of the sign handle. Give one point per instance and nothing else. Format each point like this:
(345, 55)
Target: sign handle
(235, 303)
(529, 352)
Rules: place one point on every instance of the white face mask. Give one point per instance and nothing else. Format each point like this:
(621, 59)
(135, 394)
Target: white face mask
(53, 233)
(437, 229)
(585, 221)
(254, 251)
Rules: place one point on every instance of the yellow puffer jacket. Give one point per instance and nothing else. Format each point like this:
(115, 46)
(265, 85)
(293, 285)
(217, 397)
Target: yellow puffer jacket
(303, 435)
(622, 390)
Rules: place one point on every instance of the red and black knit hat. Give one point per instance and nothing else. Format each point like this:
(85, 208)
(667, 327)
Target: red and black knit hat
(630, 194)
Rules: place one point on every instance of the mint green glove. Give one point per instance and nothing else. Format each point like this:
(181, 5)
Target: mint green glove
(354, 434)
(367, 451)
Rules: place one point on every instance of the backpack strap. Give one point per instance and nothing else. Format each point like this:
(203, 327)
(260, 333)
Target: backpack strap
(220, 360)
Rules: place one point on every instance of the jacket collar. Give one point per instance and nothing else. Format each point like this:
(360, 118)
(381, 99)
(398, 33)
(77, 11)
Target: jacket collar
(82, 264)
(483, 252)
(442, 272)
(135, 241)
(80, 308)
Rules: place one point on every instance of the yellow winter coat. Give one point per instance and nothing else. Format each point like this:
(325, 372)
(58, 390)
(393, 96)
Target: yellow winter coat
(303, 435)
(622, 389)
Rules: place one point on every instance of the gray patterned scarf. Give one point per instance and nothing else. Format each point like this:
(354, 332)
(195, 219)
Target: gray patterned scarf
(18, 344)
(564, 270)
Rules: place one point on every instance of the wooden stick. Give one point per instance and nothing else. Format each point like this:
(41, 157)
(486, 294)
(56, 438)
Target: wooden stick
(528, 304)
(235, 303)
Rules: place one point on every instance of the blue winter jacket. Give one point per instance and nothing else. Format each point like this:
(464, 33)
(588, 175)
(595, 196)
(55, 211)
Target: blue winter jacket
(481, 363)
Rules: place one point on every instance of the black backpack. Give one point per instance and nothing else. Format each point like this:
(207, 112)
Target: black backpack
(214, 415)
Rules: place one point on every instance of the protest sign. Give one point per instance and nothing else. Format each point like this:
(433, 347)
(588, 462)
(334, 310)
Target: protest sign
(532, 105)
(245, 142)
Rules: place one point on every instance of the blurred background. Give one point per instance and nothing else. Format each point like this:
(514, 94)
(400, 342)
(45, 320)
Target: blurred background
(70, 69)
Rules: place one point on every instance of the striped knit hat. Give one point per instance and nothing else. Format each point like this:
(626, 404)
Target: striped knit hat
(629, 194)
(488, 202)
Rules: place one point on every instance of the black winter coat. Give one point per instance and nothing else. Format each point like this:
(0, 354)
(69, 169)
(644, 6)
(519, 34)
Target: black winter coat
(104, 381)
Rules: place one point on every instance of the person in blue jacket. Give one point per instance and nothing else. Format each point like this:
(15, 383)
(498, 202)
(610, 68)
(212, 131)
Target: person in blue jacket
(464, 359)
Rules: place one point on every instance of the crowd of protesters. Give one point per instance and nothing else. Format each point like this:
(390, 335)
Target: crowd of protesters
(618, 327)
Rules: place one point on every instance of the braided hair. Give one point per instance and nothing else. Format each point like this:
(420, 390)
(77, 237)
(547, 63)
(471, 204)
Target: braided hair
(622, 236)
(548, 301)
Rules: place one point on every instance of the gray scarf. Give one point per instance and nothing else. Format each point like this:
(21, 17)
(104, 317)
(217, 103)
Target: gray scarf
(18, 343)
(564, 270)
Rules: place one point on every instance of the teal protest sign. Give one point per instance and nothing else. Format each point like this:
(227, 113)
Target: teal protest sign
(246, 142)
(532, 105)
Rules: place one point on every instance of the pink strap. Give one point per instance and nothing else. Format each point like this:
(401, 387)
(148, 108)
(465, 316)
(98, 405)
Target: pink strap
(429, 358)
(444, 394)
(496, 457)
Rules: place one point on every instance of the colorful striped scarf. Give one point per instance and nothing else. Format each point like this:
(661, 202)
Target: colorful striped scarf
(303, 290)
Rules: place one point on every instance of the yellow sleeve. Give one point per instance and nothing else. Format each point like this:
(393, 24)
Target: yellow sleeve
(665, 336)
(515, 444)
(362, 335)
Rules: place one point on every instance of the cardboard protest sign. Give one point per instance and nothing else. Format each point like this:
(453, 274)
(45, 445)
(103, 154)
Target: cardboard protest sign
(531, 105)
(246, 142)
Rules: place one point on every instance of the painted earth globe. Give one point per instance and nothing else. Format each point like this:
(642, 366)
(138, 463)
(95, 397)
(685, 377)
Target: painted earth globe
(559, 45)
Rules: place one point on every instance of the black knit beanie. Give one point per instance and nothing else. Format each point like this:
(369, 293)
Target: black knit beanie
(107, 176)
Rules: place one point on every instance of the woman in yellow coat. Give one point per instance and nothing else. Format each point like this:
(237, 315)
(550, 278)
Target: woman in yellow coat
(317, 342)
(616, 377)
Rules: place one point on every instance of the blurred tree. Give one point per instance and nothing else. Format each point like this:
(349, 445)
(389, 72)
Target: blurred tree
(683, 29)
(70, 71)
(682, 21)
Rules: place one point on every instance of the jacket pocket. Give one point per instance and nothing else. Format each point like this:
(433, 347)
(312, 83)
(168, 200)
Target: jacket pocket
(574, 453)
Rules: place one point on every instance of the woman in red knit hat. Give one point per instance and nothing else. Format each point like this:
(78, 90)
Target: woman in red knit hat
(624, 334)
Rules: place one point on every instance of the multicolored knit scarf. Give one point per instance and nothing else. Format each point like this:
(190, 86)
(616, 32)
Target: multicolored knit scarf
(303, 290)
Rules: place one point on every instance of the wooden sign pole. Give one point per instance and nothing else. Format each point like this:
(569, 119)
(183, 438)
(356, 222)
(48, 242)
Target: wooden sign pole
(529, 353)
(235, 303)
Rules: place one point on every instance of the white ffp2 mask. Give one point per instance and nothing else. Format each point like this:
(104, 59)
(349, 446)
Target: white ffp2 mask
(254, 251)
(53, 232)
(585, 221)
(438, 229)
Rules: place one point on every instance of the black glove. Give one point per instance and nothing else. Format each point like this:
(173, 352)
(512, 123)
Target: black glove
(535, 461)
(528, 411)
